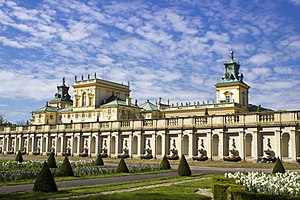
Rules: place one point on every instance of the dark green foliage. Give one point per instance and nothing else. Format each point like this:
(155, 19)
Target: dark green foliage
(51, 161)
(122, 167)
(259, 108)
(45, 181)
(99, 160)
(66, 169)
(165, 163)
(183, 167)
(278, 167)
(19, 157)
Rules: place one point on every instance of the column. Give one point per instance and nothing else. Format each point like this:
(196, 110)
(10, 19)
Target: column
(117, 147)
(108, 145)
(62, 144)
(179, 144)
(221, 144)
(293, 145)
(56, 144)
(72, 144)
(98, 141)
(139, 136)
(130, 145)
(41, 147)
(27, 145)
(79, 143)
(242, 145)
(47, 144)
(164, 143)
(191, 144)
(278, 143)
(33, 144)
(209, 144)
(153, 145)
(20, 142)
(255, 147)
(90, 145)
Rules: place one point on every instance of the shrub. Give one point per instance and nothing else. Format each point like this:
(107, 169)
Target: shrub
(183, 167)
(165, 163)
(122, 168)
(51, 161)
(45, 181)
(278, 167)
(99, 160)
(66, 169)
(19, 157)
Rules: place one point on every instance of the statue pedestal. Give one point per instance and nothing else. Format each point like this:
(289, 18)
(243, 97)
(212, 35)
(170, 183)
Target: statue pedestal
(269, 157)
(173, 154)
(148, 154)
(84, 153)
(104, 154)
(124, 154)
(202, 155)
(234, 156)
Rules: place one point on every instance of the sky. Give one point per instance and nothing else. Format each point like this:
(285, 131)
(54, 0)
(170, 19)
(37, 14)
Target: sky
(173, 49)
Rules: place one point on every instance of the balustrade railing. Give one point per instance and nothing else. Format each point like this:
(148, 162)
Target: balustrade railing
(232, 119)
(266, 117)
(125, 123)
(201, 120)
(173, 122)
(148, 122)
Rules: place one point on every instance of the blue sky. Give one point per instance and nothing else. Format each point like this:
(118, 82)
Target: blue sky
(169, 49)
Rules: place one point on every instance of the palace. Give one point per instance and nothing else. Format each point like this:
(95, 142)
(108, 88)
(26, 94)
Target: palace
(102, 118)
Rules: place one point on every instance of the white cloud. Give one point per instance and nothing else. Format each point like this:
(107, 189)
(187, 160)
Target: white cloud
(260, 58)
(296, 2)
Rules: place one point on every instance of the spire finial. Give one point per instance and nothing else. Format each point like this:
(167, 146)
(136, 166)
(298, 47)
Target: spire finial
(64, 80)
(231, 56)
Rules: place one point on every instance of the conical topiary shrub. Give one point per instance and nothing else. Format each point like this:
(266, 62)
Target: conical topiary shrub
(165, 163)
(99, 160)
(122, 168)
(183, 167)
(278, 167)
(51, 161)
(19, 157)
(45, 181)
(66, 169)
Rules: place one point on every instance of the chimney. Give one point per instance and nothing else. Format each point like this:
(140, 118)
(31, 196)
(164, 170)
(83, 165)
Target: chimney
(128, 101)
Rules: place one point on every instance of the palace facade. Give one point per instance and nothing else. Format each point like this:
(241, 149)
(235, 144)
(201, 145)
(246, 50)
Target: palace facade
(102, 118)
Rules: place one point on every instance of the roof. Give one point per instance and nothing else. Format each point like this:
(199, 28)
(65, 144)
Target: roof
(118, 102)
(148, 106)
(47, 108)
(67, 109)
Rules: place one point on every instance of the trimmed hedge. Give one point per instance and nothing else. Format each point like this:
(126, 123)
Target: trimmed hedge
(226, 189)
(51, 161)
(19, 157)
(122, 167)
(45, 181)
(66, 169)
(183, 167)
(99, 160)
(278, 167)
(165, 163)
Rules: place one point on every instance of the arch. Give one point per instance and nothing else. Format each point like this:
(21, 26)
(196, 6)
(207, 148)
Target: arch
(215, 145)
(84, 99)
(113, 145)
(285, 140)
(248, 145)
(185, 145)
(93, 145)
(134, 145)
(158, 145)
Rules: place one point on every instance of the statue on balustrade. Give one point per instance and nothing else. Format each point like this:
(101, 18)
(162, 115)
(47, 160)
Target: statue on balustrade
(104, 150)
(85, 150)
(38, 149)
(202, 153)
(125, 153)
(269, 154)
(12, 148)
(234, 154)
(24, 149)
(173, 152)
(148, 152)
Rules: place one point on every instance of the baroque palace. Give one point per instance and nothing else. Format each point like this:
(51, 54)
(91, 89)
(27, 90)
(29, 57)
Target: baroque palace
(102, 118)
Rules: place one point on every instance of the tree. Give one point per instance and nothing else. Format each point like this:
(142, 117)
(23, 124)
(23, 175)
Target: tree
(45, 181)
(19, 157)
(51, 160)
(183, 167)
(259, 108)
(165, 163)
(3, 121)
(122, 167)
(99, 160)
(278, 167)
(66, 169)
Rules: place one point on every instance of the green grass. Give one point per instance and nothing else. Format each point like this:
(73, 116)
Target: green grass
(171, 192)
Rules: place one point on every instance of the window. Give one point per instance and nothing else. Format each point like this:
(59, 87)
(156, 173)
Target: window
(91, 101)
(69, 116)
(51, 116)
(77, 103)
(84, 99)
(109, 111)
(227, 98)
(76, 116)
(83, 115)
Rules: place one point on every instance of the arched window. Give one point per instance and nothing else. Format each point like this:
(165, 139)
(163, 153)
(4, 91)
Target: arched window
(84, 99)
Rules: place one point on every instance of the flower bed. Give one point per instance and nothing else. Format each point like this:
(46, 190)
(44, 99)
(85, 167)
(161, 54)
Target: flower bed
(287, 184)
(12, 170)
